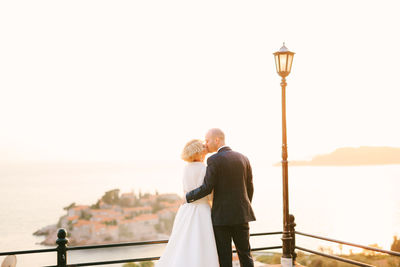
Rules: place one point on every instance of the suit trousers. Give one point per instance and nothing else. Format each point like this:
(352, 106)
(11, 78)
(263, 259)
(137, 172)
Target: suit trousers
(239, 233)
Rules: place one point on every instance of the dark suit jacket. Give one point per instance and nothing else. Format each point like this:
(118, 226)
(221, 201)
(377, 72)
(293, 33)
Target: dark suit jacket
(229, 175)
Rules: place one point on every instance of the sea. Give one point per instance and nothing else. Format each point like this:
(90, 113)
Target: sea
(358, 204)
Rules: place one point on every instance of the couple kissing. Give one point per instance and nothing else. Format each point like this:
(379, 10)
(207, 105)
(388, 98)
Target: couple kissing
(202, 235)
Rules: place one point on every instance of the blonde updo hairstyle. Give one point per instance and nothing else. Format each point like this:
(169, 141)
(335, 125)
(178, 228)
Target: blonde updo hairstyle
(192, 149)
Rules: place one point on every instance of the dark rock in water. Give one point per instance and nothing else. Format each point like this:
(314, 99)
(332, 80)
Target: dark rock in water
(46, 230)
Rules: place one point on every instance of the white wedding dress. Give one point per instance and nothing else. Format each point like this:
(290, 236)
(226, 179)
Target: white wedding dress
(192, 242)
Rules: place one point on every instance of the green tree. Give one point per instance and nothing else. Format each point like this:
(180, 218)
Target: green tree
(59, 225)
(70, 206)
(158, 228)
(85, 216)
(156, 206)
(111, 197)
(113, 222)
(317, 263)
(96, 206)
(147, 264)
(125, 202)
(396, 244)
(70, 226)
(142, 264)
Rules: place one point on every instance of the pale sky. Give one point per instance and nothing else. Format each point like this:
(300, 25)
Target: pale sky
(127, 80)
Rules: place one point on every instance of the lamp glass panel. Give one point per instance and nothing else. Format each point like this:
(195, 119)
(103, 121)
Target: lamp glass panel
(290, 61)
(283, 61)
(277, 63)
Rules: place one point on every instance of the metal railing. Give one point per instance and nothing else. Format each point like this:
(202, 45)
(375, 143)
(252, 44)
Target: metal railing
(334, 257)
(62, 250)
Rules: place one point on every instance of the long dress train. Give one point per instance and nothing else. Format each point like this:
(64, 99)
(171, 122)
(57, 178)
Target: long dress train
(192, 242)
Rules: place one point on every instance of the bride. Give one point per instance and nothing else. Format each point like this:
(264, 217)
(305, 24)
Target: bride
(192, 241)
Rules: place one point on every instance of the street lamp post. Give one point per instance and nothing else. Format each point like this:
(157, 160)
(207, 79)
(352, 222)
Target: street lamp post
(283, 61)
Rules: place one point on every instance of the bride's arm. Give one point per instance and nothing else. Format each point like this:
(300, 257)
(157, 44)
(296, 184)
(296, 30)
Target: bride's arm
(208, 184)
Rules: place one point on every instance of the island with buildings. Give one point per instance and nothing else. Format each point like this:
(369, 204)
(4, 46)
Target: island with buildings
(117, 218)
(353, 156)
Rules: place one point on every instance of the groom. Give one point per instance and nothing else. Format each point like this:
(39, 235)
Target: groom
(229, 175)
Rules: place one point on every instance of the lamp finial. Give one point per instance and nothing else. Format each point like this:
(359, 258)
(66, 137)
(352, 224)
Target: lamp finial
(283, 48)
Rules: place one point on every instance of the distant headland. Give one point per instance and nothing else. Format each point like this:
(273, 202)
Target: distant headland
(353, 156)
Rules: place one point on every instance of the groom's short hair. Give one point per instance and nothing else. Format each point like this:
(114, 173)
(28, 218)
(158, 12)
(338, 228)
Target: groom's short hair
(216, 132)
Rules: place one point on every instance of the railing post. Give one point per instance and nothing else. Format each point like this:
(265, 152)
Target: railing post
(292, 226)
(62, 248)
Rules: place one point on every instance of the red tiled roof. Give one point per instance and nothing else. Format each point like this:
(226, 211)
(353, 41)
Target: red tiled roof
(146, 217)
(107, 211)
(147, 208)
(80, 223)
(80, 207)
(105, 218)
